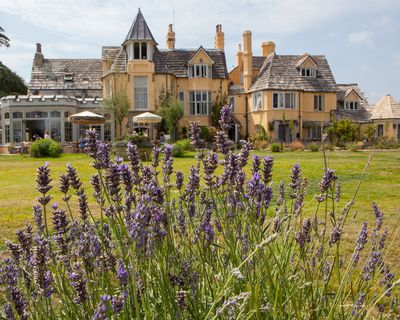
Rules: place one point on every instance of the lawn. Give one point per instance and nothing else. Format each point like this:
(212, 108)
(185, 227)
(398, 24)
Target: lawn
(381, 183)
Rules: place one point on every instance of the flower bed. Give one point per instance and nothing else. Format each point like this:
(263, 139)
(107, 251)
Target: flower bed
(225, 247)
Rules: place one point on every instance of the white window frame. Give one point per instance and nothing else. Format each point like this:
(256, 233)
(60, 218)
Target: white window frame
(351, 105)
(198, 106)
(319, 102)
(199, 71)
(141, 92)
(257, 98)
(309, 72)
(282, 103)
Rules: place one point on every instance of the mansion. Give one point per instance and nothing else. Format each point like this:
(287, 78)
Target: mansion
(290, 97)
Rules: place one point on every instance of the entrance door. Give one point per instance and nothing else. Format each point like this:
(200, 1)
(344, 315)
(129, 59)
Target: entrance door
(34, 127)
(283, 133)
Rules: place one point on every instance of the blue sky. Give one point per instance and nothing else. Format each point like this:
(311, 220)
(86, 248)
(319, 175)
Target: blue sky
(360, 38)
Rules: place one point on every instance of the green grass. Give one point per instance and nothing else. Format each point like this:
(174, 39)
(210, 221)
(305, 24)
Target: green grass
(381, 183)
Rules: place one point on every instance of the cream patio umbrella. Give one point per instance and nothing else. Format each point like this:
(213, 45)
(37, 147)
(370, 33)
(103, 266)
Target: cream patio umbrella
(87, 118)
(147, 117)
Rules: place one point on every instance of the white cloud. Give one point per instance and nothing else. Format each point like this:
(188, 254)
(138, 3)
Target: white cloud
(361, 37)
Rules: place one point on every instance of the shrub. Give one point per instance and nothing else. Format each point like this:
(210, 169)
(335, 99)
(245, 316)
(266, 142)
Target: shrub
(177, 150)
(225, 248)
(345, 130)
(185, 144)
(45, 148)
(385, 143)
(295, 146)
(313, 147)
(207, 134)
(276, 147)
(140, 140)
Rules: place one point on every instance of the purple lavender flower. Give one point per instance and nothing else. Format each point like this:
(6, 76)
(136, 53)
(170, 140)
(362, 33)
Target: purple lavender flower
(78, 281)
(122, 274)
(64, 184)
(179, 179)
(296, 179)
(374, 260)
(101, 311)
(126, 177)
(244, 153)
(210, 164)
(96, 184)
(101, 156)
(303, 236)
(117, 304)
(195, 134)
(168, 160)
(43, 184)
(156, 157)
(382, 240)
(225, 118)
(358, 304)
(361, 241)
(91, 146)
(327, 180)
(256, 164)
(19, 302)
(74, 180)
(37, 213)
(8, 312)
(24, 237)
(335, 235)
(42, 276)
(134, 158)
(223, 142)
(378, 215)
(83, 205)
(112, 181)
(281, 194)
(267, 169)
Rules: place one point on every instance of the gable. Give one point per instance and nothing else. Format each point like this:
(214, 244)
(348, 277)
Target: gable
(201, 57)
(306, 61)
(352, 96)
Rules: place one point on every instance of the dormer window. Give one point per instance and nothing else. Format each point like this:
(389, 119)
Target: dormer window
(138, 51)
(308, 72)
(68, 76)
(351, 105)
(199, 71)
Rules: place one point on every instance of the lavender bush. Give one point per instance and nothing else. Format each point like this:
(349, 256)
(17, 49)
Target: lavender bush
(225, 248)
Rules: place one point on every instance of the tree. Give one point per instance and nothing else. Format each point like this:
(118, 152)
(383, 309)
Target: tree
(118, 102)
(215, 114)
(4, 40)
(345, 130)
(10, 82)
(370, 132)
(172, 111)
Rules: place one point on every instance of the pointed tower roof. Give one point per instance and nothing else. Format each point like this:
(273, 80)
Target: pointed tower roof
(386, 108)
(139, 29)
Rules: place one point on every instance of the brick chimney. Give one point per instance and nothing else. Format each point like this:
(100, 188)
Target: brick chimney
(247, 61)
(267, 48)
(219, 39)
(170, 38)
(38, 60)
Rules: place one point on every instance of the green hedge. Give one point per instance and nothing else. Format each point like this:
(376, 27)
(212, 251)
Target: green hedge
(45, 148)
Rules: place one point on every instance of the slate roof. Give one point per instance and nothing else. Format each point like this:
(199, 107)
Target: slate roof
(280, 72)
(363, 114)
(86, 74)
(386, 108)
(257, 62)
(139, 29)
(169, 61)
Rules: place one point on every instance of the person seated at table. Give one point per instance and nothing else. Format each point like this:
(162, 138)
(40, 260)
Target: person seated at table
(82, 143)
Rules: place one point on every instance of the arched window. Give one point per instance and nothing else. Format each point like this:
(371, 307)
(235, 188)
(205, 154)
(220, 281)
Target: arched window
(17, 115)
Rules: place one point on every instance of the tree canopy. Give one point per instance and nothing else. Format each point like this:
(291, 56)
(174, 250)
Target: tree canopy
(10, 82)
(4, 40)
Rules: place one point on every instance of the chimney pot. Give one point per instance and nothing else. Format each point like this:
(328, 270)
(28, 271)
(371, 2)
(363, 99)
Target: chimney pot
(38, 48)
(219, 39)
(267, 48)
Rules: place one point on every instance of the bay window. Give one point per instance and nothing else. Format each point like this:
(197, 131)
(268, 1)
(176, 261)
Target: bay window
(257, 101)
(199, 103)
(199, 71)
